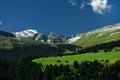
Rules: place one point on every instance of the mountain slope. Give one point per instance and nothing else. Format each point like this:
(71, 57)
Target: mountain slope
(6, 34)
(5, 39)
(101, 35)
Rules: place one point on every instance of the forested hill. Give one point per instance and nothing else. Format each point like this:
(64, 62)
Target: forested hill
(15, 49)
(30, 50)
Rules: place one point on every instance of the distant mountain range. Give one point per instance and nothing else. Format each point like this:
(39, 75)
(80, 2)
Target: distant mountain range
(37, 36)
(91, 38)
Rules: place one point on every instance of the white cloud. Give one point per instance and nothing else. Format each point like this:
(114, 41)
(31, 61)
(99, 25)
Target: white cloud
(82, 5)
(100, 6)
(72, 2)
(0, 22)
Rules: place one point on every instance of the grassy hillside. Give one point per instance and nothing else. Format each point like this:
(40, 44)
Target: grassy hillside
(111, 56)
(98, 36)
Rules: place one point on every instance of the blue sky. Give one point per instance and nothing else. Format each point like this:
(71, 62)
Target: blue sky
(60, 16)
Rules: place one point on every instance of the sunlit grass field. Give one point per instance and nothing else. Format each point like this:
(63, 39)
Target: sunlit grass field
(101, 56)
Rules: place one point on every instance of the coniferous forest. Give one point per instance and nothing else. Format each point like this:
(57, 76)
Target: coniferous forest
(26, 70)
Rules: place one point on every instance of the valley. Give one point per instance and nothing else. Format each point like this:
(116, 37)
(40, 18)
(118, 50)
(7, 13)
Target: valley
(31, 55)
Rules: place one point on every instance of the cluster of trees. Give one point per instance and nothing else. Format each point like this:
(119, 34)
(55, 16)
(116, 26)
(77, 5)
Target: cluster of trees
(35, 50)
(22, 70)
(70, 47)
(26, 70)
(29, 50)
(107, 47)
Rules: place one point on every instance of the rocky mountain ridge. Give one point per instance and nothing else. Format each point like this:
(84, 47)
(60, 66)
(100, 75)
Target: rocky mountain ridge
(37, 36)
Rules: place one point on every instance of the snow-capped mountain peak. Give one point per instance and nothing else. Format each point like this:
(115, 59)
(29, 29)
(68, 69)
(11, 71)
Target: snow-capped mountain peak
(31, 30)
(26, 33)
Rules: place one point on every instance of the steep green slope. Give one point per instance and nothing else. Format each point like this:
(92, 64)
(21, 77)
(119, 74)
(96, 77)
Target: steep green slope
(98, 36)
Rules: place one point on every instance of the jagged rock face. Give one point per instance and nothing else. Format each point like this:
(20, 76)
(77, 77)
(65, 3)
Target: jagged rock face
(41, 37)
(52, 35)
(54, 38)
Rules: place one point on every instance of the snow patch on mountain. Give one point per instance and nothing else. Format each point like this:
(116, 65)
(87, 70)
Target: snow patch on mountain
(71, 40)
(99, 35)
(88, 33)
(108, 28)
(114, 33)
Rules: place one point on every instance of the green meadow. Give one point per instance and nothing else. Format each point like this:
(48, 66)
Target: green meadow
(100, 56)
